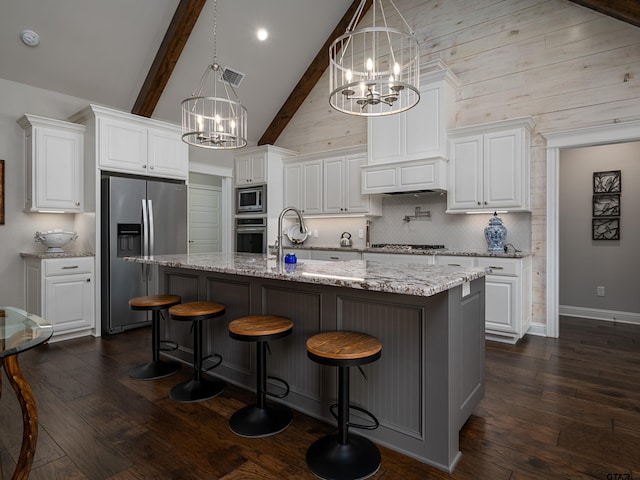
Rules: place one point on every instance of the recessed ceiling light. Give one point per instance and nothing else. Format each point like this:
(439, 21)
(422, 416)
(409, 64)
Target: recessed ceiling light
(262, 34)
(30, 38)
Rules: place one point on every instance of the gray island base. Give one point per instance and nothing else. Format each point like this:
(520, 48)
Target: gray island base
(430, 320)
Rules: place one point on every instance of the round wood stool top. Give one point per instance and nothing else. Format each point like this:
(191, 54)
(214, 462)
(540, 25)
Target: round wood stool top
(150, 302)
(253, 327)
(192, 311)
(343, 347)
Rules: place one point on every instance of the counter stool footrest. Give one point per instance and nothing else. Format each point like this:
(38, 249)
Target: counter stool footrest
(361, 426)
(284, 384)
(218, 362)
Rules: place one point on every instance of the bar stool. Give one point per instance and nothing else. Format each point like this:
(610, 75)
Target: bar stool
(342, 456)
(156, 368)
(261, 420)
(198, 388)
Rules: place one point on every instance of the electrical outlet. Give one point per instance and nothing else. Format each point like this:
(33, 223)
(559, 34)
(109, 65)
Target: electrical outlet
(361, 233)
(315, 233)
(600, 291)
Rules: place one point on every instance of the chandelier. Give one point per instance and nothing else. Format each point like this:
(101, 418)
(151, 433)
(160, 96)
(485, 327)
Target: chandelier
(218, 121)
(374, 70)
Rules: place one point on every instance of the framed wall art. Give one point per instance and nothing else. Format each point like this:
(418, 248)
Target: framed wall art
(606, 228)
(606, 205)
(607, 182)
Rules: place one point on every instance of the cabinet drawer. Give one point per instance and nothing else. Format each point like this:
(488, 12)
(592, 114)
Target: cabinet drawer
(67, 266)
(455, 260)
(500, 266)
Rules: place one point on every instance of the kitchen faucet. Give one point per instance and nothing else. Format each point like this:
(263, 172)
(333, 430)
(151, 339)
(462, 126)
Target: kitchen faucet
(303, 229)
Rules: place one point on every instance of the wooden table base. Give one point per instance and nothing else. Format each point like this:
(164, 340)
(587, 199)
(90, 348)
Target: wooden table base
(29, 416)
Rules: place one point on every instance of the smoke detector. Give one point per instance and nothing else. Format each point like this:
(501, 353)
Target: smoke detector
(30, 38)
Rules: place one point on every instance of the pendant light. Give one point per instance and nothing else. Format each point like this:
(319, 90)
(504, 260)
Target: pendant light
(218, 121)
(374, 70)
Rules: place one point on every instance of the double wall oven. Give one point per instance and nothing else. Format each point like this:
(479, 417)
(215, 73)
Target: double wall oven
(251, 219)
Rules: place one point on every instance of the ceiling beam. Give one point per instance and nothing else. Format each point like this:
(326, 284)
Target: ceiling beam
(308, 80)
(626, 10)
(168, 54)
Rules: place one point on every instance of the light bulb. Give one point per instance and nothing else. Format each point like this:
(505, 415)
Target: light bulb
(369, 64)
(232, 124)
(349, 75)
(199, 120)
(217, 119)
(396, 69)
(362, 89)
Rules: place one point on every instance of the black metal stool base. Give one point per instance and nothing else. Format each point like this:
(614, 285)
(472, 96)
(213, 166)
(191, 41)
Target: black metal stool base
(330, 460)
(252, 421)
(153, 370)
(196, 390)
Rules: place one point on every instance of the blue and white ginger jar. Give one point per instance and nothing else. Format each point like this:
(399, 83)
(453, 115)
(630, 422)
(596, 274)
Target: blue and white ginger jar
(495, 233)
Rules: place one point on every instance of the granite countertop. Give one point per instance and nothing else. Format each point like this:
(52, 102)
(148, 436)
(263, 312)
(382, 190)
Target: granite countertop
(407, 251)
(44, 254)
(402, 278)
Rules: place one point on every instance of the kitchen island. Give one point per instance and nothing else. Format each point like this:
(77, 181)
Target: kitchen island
(430, 320)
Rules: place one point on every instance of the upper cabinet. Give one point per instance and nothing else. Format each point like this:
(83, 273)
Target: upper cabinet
(129, 143)
(54, 165)
(408, 151)
(329, 183)
(489, 166)
(250, 168)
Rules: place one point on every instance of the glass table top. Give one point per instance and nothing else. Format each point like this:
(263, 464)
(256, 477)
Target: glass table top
(20, 331)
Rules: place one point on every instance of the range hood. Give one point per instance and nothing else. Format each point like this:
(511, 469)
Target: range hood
(415, 176)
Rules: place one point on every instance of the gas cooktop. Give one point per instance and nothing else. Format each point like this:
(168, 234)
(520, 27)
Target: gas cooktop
(397, 246)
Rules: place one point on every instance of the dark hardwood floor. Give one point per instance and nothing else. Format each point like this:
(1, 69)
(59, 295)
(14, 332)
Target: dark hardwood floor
(566, 408)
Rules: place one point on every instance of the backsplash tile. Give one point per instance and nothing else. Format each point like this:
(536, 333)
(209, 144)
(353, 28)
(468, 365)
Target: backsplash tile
(457, 231)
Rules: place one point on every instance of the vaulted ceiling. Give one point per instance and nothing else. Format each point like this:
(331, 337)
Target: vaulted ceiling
(146, 56)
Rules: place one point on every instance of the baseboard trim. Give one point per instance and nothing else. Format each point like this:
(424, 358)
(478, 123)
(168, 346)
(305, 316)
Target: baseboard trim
(538, 329)
(598, 314)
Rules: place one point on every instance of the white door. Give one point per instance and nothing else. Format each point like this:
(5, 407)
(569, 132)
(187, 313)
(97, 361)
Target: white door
(205, 215)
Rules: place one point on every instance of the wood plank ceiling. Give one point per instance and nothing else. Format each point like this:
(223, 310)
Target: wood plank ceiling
(187, 14)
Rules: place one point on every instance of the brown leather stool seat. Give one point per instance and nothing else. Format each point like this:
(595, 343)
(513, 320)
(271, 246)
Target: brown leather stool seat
(198, 388)
(342, 456)
(156, 368)
(261, 419)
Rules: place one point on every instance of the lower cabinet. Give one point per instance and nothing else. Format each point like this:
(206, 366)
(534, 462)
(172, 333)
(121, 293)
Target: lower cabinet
(507, 297)
(61, 291)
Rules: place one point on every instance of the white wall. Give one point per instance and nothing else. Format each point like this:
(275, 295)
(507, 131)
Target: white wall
(586, 263)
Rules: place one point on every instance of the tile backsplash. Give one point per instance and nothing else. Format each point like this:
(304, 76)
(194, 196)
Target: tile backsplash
(459, 231)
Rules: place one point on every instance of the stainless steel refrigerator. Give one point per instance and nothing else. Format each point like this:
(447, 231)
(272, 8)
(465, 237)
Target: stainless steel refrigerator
(139, 216)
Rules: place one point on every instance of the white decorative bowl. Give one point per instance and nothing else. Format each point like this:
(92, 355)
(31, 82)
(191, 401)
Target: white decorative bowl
(55, 239)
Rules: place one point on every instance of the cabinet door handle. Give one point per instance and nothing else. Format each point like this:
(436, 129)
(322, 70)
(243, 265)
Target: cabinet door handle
(453, 264)
(69, 268)
(334, 258)
(479, 203)
(496, 268)
(144, 166)
(88, 279)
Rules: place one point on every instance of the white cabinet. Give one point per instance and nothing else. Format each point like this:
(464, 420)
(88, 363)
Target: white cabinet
(342, 192)
(329, 183)
(489, 167)
(53, 165)
(129, 143)
(507, 297)
(61, 291)
(303, 186)
(250, 169)
(409, 151)
(420, 132)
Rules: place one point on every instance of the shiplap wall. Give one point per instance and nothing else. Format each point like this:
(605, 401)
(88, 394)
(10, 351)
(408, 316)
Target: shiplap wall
(563, 64)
